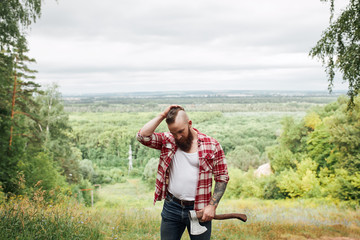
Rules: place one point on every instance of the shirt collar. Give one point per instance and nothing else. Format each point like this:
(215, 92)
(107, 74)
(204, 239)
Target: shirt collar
(201, 136)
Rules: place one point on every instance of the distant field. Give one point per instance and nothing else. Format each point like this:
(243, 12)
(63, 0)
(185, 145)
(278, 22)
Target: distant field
(227, 101)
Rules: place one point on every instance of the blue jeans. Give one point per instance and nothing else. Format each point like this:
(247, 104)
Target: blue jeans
(175, 218)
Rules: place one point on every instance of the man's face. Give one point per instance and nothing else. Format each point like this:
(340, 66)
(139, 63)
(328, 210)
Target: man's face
(182, 134)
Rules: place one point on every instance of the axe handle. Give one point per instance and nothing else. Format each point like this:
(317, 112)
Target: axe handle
(239, 216)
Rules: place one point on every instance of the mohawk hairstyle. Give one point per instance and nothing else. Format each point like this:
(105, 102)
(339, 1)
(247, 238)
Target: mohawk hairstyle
(170, 117)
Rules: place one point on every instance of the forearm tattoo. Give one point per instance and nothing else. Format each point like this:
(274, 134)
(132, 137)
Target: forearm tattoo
(218, 193)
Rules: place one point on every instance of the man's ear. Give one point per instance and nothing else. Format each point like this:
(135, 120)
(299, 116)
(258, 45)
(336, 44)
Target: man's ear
(190, 123)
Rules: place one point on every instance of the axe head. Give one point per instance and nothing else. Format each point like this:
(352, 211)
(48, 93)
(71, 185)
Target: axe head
(195, 227)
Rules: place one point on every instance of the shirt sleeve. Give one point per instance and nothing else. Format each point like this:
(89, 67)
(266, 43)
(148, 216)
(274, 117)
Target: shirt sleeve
(155, 140)
(220, 167)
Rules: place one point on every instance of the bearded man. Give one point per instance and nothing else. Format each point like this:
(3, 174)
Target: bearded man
(188, 161)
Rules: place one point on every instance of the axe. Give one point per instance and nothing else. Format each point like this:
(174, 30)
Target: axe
(197, 229)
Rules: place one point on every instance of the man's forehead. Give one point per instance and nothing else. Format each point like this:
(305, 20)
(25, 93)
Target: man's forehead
(176, 126)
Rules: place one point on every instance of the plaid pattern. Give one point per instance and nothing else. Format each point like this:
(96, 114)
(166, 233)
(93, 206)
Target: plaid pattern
(211, 162)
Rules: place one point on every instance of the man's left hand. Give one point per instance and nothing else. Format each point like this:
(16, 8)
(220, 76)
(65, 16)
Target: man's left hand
(208, 213)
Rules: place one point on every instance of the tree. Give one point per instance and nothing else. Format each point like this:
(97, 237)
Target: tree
(17, 108)
(40, 167)
(293, 135)
(300, 183)
(281, 158)
(15, 17)
(54, 129)
(339, 47)
(244, 157)
(23, 90)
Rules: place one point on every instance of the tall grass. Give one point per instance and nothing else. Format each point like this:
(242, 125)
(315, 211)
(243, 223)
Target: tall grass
(24, 218)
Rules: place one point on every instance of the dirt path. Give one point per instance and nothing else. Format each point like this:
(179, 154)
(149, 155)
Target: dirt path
(295, 237)
(337, 238)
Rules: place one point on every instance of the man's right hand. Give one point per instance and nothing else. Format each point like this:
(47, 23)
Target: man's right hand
(166, 111)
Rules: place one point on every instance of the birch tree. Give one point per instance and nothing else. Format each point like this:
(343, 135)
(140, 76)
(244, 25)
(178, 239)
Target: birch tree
(339, 47)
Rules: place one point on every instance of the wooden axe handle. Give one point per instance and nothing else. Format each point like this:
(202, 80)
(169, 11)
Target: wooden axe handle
(239, 216)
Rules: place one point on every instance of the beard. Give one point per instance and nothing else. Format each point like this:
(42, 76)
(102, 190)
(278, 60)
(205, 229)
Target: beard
(185, 143)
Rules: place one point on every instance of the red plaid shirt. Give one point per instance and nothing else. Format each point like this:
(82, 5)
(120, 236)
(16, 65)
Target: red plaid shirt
(211, 162)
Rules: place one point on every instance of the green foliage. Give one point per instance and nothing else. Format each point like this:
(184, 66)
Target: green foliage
(319, 146)
(54, 130)
(150, 171)
(339, 48)
(18, 109)
(312, 120)
(271, 188)
(348, 185)
(82, 192)
(281, 158)
(41, 168)
(2, 195)
(303, 182)
(292, 135)
(16, 16)
(329, 160)
(244, 185)
(244, 157)
(86, 169)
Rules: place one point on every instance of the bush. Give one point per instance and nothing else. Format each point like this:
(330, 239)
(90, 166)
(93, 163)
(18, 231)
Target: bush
(346, 186)
(150, 171)
(86, 169)
(300, 183)
(2, 194)
(244, 157)
(281, 158)
(271, 189)
(41, 168)
(243, 185)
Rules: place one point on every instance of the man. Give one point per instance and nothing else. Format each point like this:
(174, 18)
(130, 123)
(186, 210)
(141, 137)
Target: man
(188, 160)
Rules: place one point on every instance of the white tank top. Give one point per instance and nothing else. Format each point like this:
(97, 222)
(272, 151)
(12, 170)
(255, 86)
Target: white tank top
(184, 174)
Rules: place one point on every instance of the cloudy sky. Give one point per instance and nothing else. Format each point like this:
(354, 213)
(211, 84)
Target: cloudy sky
(93, 46)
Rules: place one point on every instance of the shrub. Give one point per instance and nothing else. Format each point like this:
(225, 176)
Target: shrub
(243, 184)
(281, 158)
(244, 157)
(300, 183)
(271, 189)
(150, 170)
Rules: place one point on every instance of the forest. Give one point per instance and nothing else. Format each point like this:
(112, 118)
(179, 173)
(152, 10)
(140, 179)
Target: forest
(312, 153)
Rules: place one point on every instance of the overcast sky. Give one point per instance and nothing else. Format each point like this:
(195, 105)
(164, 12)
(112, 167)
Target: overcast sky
(93, 46)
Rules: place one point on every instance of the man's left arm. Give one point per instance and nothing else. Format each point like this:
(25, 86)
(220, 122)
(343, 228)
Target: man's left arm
(221, 177)
(210, 210)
